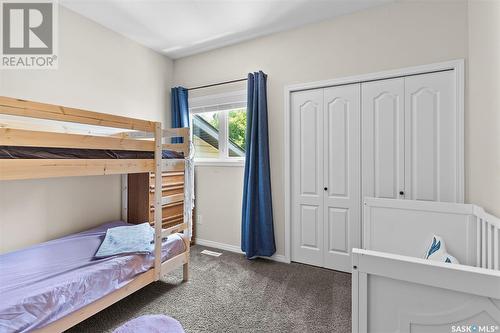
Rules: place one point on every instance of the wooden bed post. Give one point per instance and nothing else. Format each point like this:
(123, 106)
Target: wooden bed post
(185, 271)
(157, 205)
(187, 232)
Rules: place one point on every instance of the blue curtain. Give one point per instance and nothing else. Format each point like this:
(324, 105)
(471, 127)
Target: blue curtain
(257, 231)
(180, 110)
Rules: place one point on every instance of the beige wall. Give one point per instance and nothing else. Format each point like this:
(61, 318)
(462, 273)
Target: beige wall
(98, 70)
(218, 203)
(403, 34)
(483, 116)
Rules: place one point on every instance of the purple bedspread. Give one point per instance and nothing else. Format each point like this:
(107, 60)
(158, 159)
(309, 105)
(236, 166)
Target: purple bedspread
(48, 281)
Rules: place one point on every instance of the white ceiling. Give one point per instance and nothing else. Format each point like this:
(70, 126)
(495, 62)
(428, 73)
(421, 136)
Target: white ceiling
(180, 28)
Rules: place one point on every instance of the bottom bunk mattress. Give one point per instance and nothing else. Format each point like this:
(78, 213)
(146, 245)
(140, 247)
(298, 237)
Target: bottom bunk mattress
(45, 282)
(13, 152)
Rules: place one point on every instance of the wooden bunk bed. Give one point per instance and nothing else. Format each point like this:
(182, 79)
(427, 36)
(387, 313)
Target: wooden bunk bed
(145, 139)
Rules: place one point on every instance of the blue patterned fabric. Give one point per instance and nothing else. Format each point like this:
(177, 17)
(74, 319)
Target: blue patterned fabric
(435, 246)
(179, 108)
(127, 239)
(257, 231)
(436, 251)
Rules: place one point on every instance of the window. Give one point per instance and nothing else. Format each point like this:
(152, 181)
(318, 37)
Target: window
(218, 125)
(237, 125)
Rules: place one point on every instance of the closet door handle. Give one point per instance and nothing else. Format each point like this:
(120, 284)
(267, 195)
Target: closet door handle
(326, 188)
(401, 193)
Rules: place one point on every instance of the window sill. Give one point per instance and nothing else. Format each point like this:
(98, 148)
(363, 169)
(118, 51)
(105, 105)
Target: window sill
(219, 163)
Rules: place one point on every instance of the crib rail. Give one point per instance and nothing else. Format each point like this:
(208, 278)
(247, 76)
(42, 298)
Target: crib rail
(471, 234)
(488, 231)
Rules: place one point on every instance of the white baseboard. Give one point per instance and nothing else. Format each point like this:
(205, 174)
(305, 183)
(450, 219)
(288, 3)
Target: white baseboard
(235, 249)
(278, 258)
(217, 245)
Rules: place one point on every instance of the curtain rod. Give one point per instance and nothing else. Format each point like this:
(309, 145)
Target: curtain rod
(217, 84)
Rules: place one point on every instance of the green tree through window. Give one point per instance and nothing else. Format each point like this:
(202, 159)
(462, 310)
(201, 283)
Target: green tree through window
(208, 137)
(237, 124)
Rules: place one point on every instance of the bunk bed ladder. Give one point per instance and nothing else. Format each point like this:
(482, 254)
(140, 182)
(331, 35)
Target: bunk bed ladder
(157, 199)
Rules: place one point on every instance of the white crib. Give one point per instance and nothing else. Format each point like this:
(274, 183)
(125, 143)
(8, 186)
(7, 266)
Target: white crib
(395, 290)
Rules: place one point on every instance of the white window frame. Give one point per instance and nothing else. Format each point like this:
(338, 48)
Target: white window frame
(213, 100)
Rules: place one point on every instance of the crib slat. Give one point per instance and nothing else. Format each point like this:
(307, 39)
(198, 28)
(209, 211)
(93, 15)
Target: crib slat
(478, 242)
(496, 249)
(483, 243)
(489, 245)
(488, 239)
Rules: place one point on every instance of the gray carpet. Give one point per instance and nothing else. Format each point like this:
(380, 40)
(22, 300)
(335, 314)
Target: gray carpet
(232, 294)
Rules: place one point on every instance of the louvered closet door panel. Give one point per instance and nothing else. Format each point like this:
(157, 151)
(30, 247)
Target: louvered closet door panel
(342, 175)
(431, 137)
(383, 120)
(307, 176)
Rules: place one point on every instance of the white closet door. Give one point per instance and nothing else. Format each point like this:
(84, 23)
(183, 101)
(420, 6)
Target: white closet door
(307, 176)
(383, 139)
(431, 137)
(342, 175)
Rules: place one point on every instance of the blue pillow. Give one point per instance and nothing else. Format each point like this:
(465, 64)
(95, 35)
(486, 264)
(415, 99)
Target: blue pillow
(127, 239)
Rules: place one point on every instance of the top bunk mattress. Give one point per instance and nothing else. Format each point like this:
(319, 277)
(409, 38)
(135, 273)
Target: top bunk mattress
(14, 152)
(45, 282)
